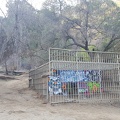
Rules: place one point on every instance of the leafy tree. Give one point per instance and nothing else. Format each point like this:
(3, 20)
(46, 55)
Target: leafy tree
(78, 24)
(85, 22)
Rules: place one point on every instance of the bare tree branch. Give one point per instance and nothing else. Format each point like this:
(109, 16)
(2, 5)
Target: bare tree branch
(3, 13)
(113, 39)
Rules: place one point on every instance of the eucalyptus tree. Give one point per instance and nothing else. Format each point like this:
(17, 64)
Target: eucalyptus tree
(22, 24)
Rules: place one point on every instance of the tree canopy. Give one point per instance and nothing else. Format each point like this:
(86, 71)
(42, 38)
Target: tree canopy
(28, 33)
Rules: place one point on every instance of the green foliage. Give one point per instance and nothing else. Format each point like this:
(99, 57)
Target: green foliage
(94, 24)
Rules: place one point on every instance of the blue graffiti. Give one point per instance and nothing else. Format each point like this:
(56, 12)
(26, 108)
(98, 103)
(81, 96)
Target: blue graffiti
(60, 77)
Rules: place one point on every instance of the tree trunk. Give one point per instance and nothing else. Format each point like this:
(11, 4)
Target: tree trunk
(6, 69)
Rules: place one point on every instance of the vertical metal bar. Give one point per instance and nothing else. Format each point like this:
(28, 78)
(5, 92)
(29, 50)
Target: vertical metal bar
(77, 61)
(76, 77)
(99, 75)
(118, 73)
(49, 75)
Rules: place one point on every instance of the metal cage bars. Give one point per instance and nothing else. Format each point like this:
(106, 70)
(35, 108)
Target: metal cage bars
(38, 80)
(100, 73)
(78, 76)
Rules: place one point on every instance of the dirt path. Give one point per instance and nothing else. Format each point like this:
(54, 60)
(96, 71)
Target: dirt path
(17, 102)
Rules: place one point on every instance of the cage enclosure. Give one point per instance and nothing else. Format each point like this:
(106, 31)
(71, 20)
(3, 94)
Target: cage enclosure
(78, 76)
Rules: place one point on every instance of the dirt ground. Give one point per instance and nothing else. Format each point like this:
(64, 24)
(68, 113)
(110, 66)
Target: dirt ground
(18, 102)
